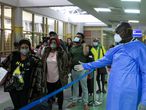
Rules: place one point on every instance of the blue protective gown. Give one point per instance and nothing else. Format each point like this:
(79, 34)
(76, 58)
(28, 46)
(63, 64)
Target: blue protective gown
(127, 81)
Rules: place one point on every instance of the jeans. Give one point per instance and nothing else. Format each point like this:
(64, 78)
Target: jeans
(83, 82)
(53, 87)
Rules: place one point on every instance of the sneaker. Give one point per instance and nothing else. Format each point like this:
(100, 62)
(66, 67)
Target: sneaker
(86, 107)
(90, 94)
(71, 105)
(104, 91)
(80, 100)
(98, 91)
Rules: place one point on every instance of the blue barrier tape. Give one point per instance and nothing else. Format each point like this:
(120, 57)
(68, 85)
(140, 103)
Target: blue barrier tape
(33, 104)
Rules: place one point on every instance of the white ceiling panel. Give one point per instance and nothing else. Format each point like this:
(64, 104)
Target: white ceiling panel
(43, 3)
(117, 6)
(112, 18)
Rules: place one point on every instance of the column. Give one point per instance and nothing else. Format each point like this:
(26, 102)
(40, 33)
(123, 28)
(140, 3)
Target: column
(17, 25)
(68, 31)
(80, 27)
(56, 26)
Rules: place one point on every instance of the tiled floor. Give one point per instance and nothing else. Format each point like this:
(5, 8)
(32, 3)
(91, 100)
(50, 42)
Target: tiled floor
(6, 102)
(4, 99)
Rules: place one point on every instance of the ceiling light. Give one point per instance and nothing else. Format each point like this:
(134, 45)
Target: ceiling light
(102, 9)
(104, 34)
(131, 0)
(133, 21)
(131, 11)
(89, 20)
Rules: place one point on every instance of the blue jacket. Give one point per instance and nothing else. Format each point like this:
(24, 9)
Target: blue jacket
(127, 82)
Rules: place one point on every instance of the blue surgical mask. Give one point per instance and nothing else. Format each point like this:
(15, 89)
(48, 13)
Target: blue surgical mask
(117, 38)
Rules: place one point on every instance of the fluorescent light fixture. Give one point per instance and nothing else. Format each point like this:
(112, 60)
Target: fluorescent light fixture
(84, 12)
(88, 20)
(102, 9)
(104, 34)
(131, 0)
(95, 24)
(132, 11)
(133, 21)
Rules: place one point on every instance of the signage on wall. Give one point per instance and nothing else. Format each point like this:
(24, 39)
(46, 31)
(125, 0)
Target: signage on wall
(137, 33)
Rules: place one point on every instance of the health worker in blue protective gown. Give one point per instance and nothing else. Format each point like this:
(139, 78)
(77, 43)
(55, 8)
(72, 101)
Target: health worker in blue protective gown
(127, 81)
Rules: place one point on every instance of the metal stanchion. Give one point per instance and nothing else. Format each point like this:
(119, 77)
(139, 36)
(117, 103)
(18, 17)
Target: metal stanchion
(94, 101)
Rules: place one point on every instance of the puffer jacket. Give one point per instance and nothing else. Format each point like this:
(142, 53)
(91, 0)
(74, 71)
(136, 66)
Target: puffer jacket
(62, 62)
(36, 88)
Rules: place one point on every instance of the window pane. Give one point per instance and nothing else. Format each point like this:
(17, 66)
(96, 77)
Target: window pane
(60, 30)
(0, 31)
(27, 21)
(0, 16)
(7, 17)
(51, 23)
(38, 23)
(28, 35)
(7, 44)
(37, 39)
(0, 41)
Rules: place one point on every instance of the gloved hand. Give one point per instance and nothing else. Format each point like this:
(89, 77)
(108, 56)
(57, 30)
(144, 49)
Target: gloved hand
(78, 67)
(142, 107)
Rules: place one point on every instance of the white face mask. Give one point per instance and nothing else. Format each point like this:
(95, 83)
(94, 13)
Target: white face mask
(24, 51)
(95, 43)
(76, 39)
(117, 38)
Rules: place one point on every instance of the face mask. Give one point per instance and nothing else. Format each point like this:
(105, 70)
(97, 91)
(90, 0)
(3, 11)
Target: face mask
(53, 46)
(24, 51)
(45, 43)
(95, 43)
(76, 39)
(117, 38)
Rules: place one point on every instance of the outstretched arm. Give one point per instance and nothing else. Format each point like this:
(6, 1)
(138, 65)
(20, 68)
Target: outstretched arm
(106, 60)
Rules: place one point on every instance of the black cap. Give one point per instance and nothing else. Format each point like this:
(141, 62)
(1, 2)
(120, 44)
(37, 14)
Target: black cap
(25, 41)
(52, 33)
(81, 34)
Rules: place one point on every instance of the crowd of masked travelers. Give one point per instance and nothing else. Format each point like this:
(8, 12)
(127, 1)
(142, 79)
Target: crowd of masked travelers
(34, 73)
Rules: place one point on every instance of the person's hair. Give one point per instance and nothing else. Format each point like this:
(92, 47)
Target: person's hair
(69, 39)
(52, 33)
(25, 41)
(111, 46)
(126, 28)
(57, 42)
(16, 44)
(81, 34)
(95, 40)
(45, 39)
